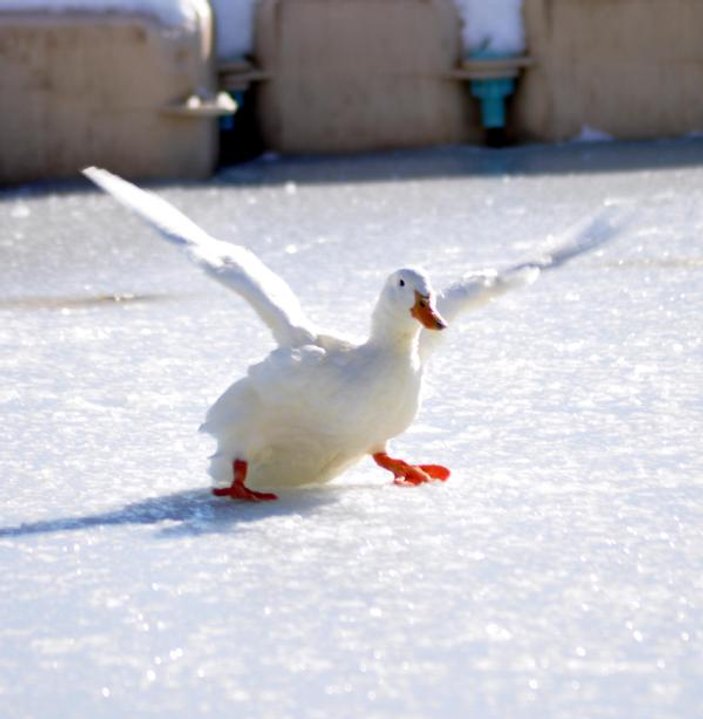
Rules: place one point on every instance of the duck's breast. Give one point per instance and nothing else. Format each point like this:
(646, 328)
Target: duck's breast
(357, 391)
(311, 413)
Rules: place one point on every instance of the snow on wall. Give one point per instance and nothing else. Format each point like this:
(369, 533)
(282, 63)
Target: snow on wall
(492, 25)
(170, 12)
(234, 23)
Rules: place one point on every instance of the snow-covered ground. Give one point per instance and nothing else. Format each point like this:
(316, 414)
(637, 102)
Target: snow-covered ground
(559, 572)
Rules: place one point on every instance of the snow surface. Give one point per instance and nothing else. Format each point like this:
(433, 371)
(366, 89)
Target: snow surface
(558, 573)
(171, 12)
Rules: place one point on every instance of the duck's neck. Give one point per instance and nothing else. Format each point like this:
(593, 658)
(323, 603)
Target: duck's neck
(386, 331)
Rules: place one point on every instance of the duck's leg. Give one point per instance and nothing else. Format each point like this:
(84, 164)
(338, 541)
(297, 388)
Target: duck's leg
(411, 474)
(239, 490)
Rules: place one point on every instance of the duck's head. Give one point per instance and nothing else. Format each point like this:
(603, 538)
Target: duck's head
(407, 299)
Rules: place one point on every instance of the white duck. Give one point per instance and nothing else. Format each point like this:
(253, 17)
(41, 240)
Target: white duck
(317, 403)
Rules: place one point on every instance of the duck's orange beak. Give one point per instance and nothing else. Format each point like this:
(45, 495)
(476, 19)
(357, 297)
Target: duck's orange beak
(426, 314)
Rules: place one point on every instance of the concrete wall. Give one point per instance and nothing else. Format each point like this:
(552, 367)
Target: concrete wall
(82, 88)
(631, 68)
(345, 75)
(350, 75)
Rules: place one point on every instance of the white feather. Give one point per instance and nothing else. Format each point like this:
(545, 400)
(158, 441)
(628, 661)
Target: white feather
(477, 288)
(235, 267)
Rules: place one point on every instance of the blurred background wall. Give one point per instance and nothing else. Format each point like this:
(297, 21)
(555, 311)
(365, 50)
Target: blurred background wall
(149, 88)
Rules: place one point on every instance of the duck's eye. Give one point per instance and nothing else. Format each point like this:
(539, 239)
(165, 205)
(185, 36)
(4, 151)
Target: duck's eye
(401, 283)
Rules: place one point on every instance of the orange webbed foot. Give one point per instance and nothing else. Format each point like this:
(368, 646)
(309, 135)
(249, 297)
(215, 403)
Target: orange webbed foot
(411, 475)
(436, 471)
(238, 490)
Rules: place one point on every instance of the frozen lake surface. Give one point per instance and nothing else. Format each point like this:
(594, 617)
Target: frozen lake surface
(558, 573)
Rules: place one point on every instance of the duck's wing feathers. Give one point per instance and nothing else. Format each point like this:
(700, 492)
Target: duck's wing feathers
(478, 288)
(234, 266)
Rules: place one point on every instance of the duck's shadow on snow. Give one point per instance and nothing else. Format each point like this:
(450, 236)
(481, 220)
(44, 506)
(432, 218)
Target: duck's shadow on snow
(191, 512)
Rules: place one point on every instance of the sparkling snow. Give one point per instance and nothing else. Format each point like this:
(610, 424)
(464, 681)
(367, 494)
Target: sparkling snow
(559, 572)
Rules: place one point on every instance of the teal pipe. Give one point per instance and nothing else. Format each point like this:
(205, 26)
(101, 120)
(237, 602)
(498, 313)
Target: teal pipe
(492, 93)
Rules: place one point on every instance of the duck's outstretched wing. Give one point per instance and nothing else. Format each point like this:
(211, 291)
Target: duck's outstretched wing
(478, 288)
(234, 266)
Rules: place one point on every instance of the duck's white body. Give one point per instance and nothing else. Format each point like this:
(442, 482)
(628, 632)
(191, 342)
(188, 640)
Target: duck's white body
(317, 403)
(305, 414)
